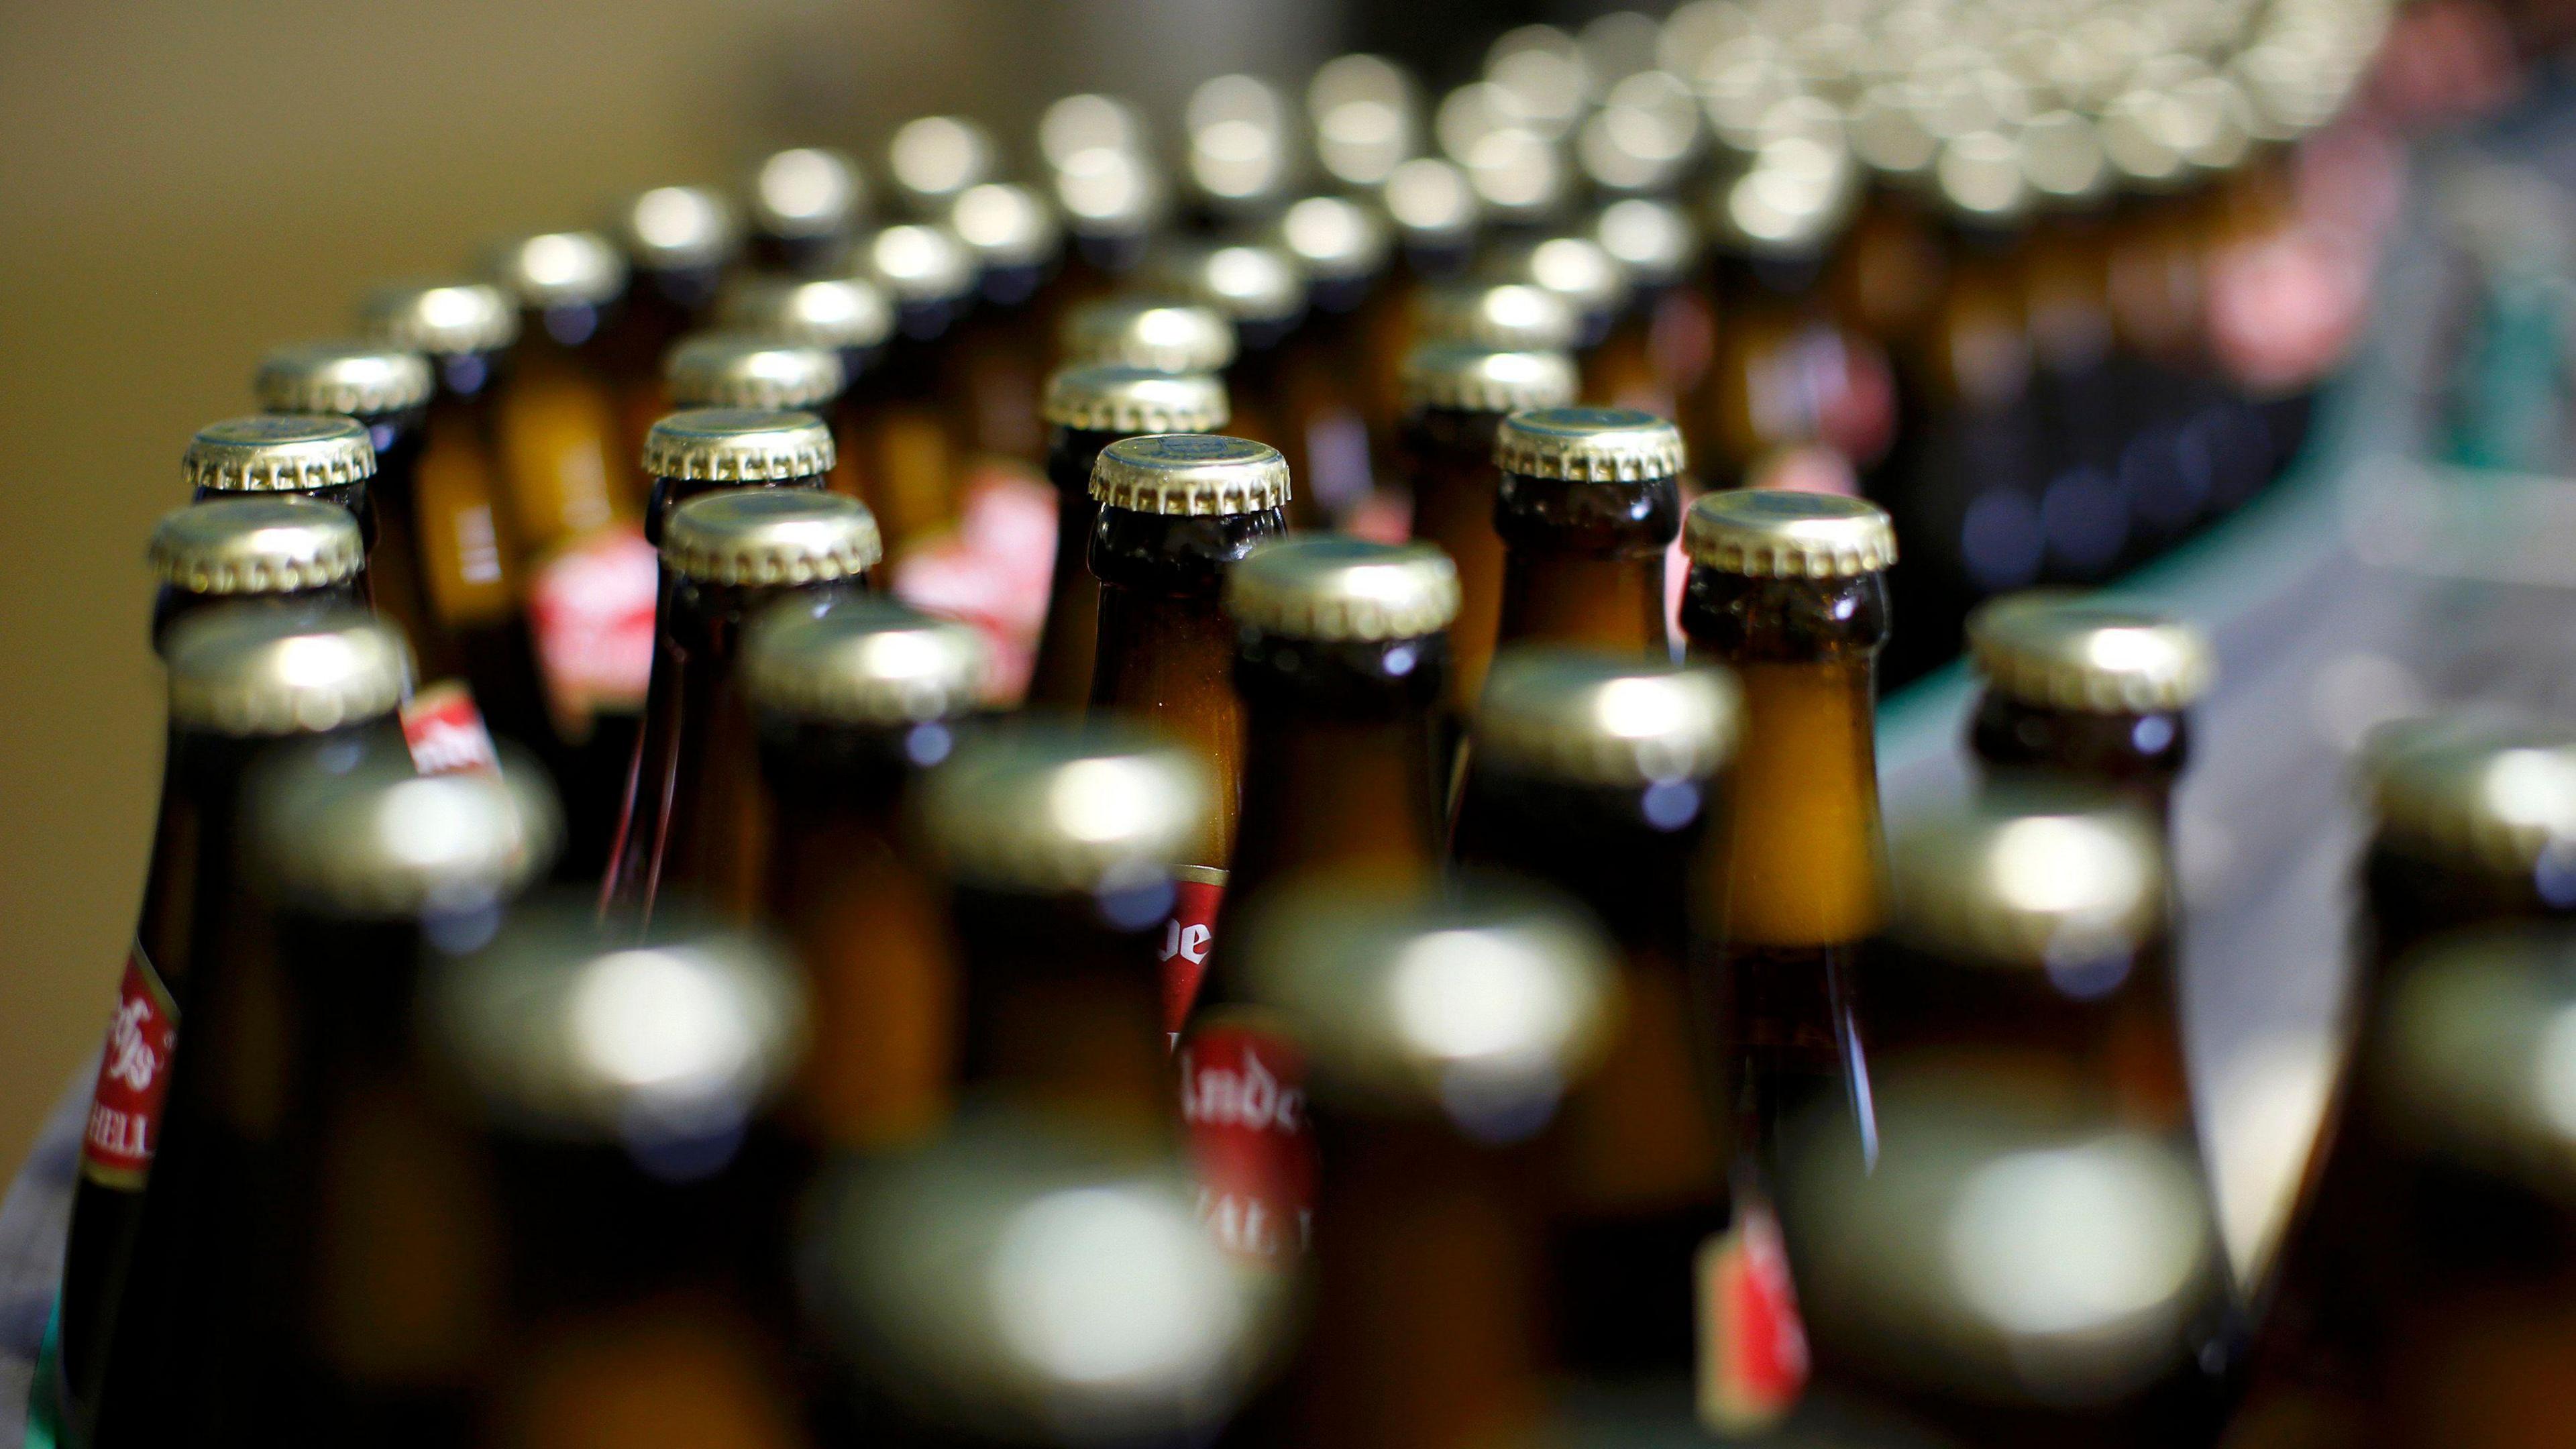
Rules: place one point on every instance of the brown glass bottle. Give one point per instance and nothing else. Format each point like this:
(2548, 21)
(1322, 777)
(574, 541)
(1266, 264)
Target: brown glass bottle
(1156, 333)
(1589, 502)
(707, 449)
(853, 704)
(1590, 281)
(678, 242)
(752, 371)
(2087, 692)
(1113, 192)
(1345, 249)
(1436, 217)
(807, 206)
(906, 429)
(283, 552)
(1660, 337)
(386, 389)
(696, 816)
(1263, 292)
(240, 682)
(1596, 774)
(311, 455)
(847, 316)
(998, 363)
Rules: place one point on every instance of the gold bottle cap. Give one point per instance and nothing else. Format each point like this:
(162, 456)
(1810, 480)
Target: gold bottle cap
(384, 840)
(560, 269)
(1774, 533)
(808, 191)
(738, 445)
(2144, 134)
(2028, 878)
(936, 158)
(1431, 202)
(835, 312)
(1089, 124)
(1241, 146)
(1512, 317)
(1471, 378)
(1165, 334)
(671, 228)
(1109, 397)
(762, 537)
(442, 319)
(2221, 133)
(1573, 267)
(1588, 445)
(1888, 133)
(1482, 999)
(1246, 282)
(256, 545)
(1654, 241)
(1789, 203)
(865, 661)
(2478, 794)
(1112, 193)
(1645, 136)
(253, 671)
(2474, 1063)
(919, 263)
(750, 370)
(278, 453)
(672, 1041)
(1543, 70)
(1595, 719)
(1194, 474)
(1982, 180)
(1036, 806)
(1517, 174)
(2061, 157)
(1367, 117)
(1006, 225)
(1335, 238)
(2061, 651)
(358, 379)
(1335, 589)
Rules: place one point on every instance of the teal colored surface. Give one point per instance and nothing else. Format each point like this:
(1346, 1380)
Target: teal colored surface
(44, 1396)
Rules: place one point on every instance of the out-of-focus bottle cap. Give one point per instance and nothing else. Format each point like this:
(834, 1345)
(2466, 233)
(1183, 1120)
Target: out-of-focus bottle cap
(1084, 124)
(1242, 149)
(1511, 317)
(1042, 807)
(1190, 474)
(382, 840)
(2062, 651)
(254, 672)
(1431, 202)
(808, 191)
(1887, 132)
(2476, 794)
(1112, 193)
(256, 545)
(1110, 397)
(1982, 180)
(2144, 133)
(1335, 238)
(1618, 45)
(2061, 157)
(1775, 533)
(835, 312)
(865, 661)
(560, 269)
(1789, 203)
(674, 228)
(1653, 241)
(1367, 117)
(1593, 445)
(750, 370)
(738, 445)
(1645, 136)
(1543, 70)
(920, 263)
(1470, 378)
(278, 453)
(357, 379)
(761, 537)
(1165, 334)
(2473, 1064)
(936, 158)
(442, 319)
(2029, 878)
(1335, 589)
(1596, 719)
(1005, 224)
(1249, 282)
(1517, 174)
(1573, 267)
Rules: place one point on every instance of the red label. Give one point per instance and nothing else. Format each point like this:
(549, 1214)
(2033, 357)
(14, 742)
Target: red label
(133, 1077)
(992, 571)
(591, 608)
(1752, 1345)
(1243, 1100)
(445, 731)
(1197, 891)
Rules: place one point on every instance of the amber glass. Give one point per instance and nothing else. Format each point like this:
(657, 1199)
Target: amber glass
(1788, 370)
(2140, 753)
(556, 428)
(1324, 386)
(1061, 678)
(1656, 353)
(1063, 1007)
(662, 305)
(1276, 382)
(1449, 464)
(902, 442)
(173, 606)
(1583, 563)
(469, 557)
(997, 362)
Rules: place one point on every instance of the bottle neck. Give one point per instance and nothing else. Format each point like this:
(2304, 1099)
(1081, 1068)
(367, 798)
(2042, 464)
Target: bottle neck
(1449, 464)
(2139, 753)
(1339, 770)
(670, 493)
(1061, 676)
(1063, 1011)
(1584, 562)
(1623, 850)
(173, 606)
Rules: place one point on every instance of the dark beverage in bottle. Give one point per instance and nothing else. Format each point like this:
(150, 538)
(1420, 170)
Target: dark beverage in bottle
(847, 316)
(807, 206)
(707, 449)
(1089, 406)
(308, 454)
(1156, 333)
(852, 705)
(695, 817)
(1589, 501)
(241, 681)
(908, 433)
(678, 242)
(1263, 292)
(1596, 774)
(283, 552)
(1002, 352)
(1344, 249)
(1660, 339)
(752, 371)
(1435, 215)
(2085, 691)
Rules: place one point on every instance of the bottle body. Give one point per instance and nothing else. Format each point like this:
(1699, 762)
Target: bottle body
(1061, 677)
(1584, 562)
(1449, 463)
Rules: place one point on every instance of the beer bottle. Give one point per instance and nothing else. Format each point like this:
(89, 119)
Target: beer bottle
(934, 159)
(317, 456)
(847, 316)
(1343, 248)
(1456, 396)
(286, 551)
(1156, 333)
(1658, 342)
(1088, 407)
(241, 681)
(1008, 339)
(678, 241)
(752, 371)
(1595, 774)
(1241, 153)
(1576, 268)
(706, 449)
(1786, 590)
(1060, 841)
(2475, 820)
(1263, 292)
(1436, 215)
(386, 389)
(1503, 316)
(618, 1094)
(907, 434)
(1588, 504)
(2086, 691)
(807, 205)
(1104, 178)
(852, 705)
(1365, 118)
(695, 818)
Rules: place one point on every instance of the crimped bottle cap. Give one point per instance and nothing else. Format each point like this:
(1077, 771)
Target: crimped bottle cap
(1240, 145)
(865, 661)
(673, 227)
(1511, 317)
(2065, 652)
(2029, 878)
(560, 269)
(256, 545)
(934, 158)
(1247, 281)
(1595, 719)
(1335, 238)
(1596, 445)
(2476, 794)
(1335, 589)
(1774, 533)
(250, 671)
(1367, 117)
(441, 318)
(1473, 378)
(738, 445)
(808, 191)
(767, 536)
(384, 840)
(1005, 224)
(750, 370)
(1165, 334)
(1108, 397)
(359, 379)
(1653, 240)
(919, 263)
(278, 453)
(1042, 807)
(833, 312)
(1190, 473)
(1576, 268)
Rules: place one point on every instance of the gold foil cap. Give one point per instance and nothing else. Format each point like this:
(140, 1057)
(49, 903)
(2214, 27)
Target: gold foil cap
(832, 312)
(808, 191)
(1165, 334)
(750, 370)
(442, 318)
(919, 263)
(1335, 589)
(357, 379)
(2055, 649)
(1037, 806)
(256, 545)
(560, 269)
(670, 228)
(2029, 878)
(1471, 378)
(1596, 719)
(761, 537)
(1107, 397)
(2476, 794)
(1576, 268)
(1655, 241)
(255, 672)
(866, 661)
(1335, 238)
(1774, 533)
(738, 445)
(1248, 282)
(1591, 445)
(1195, 474)
(278, 453)
(384, 840)
(1431, 201)
(1512, 317)
(1006, 225)
(935, 158)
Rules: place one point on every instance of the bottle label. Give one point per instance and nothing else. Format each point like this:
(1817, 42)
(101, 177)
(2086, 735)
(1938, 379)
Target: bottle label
(1752, 1345)
(993, 571)
(446, 732)
(1243, 1102)
(133, 1078)
(591, 608)
(1197, 891)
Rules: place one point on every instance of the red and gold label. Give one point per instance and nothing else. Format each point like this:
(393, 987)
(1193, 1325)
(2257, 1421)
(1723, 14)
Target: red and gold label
(1752, 1344)
(445, 731)
(1243, 1102)
(591, 608)
(124, 1126)
(1197, 892)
